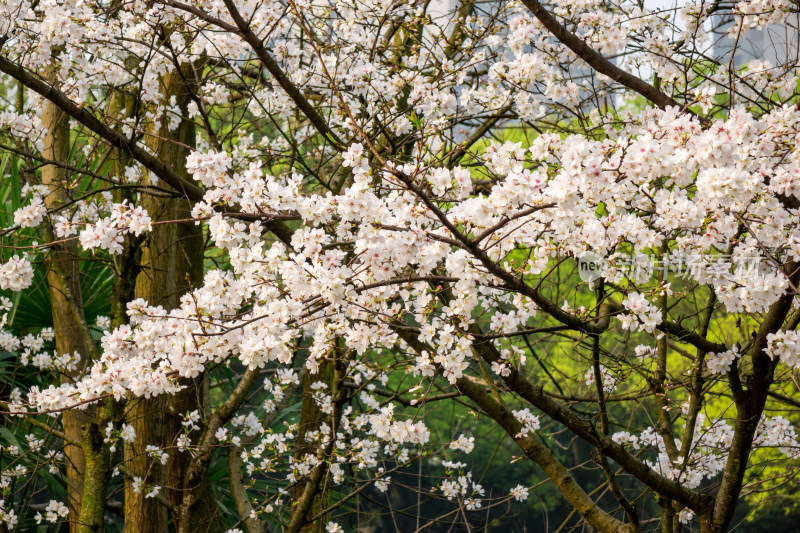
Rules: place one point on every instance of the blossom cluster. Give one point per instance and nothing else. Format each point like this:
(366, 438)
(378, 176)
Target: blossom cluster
(422, 244)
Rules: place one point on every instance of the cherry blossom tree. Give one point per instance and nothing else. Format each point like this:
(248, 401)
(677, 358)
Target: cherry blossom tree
(326, 223)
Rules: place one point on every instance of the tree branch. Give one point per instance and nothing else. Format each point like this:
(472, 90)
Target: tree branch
(188, 189)
(597, 61)
(280, 76)
(534, 449)
(239, 493)
(115, 139)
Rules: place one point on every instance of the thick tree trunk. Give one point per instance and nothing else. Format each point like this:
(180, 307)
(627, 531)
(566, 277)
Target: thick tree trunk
(65, 297)
(147, 418)
(172, 264)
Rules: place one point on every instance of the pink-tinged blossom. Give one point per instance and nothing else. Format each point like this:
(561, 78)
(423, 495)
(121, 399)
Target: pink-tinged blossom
(32, 214)
(16, 274)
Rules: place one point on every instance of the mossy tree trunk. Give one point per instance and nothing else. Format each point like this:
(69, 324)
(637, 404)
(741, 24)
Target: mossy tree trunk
(97, 457)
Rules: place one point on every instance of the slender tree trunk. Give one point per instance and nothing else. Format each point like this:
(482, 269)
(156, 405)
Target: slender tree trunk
(312, 495)
(311, 417)
(65, 297)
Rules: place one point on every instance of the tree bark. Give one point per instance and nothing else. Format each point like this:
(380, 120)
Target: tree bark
(750, 405)
(239, 493)
(194, 512)
(97, 455)
(311, 417)
(65, 298)
(172, 263)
